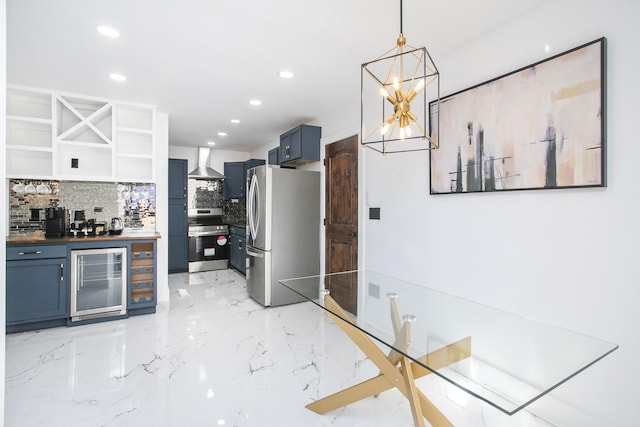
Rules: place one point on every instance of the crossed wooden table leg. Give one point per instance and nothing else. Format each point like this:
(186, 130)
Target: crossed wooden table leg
(396, 370)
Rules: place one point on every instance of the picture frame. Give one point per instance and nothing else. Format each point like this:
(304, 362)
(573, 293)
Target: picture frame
(539, 127)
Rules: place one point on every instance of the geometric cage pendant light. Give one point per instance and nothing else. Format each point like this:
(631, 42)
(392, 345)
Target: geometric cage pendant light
(394, 88)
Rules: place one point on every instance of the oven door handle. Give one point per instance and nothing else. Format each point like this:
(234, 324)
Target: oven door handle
(207, 234)
(255, 254)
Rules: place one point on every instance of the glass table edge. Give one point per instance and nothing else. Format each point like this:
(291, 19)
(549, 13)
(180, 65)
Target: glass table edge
(517, 407)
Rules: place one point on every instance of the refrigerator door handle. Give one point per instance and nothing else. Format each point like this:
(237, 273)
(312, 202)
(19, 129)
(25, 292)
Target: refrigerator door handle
(254, 207)
(255, 254)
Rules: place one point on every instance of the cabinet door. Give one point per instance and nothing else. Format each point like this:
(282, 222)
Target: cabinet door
(233, 180)
(273, 156)
(178, 243)
(177, 178)
(242, 255)
(285, 146)
(238, 253)
(295, 152)
(36, 290)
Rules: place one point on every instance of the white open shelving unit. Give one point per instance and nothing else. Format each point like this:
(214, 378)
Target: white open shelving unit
(73, 137)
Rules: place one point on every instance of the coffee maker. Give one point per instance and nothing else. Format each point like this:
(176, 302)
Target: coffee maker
(56, 222)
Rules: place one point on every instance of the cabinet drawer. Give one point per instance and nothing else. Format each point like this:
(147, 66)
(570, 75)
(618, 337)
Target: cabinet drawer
(16, 253)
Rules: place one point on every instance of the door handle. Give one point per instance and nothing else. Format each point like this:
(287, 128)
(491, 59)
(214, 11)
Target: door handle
(61, 272)
(255, 254)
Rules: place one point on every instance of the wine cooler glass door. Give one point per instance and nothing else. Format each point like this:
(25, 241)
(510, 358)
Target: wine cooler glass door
(98, 283)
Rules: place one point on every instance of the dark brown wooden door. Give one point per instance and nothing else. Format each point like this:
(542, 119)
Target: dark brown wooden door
(341, 213)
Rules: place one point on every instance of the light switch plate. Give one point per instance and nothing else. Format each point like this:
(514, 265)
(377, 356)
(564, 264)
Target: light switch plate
(374, 213)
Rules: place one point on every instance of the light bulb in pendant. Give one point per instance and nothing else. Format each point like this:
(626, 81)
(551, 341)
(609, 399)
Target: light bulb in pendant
(384, 129)
(401, 133)
(396, 83)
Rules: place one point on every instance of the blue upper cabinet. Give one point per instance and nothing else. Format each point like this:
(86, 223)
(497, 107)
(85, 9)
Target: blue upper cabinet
(233, 180)
(300, 145)
(274, 156)
(235, 176)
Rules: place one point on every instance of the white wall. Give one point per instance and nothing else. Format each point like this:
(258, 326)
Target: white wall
(3, 192)
(216, 160)
(162, 203)
(565, 257)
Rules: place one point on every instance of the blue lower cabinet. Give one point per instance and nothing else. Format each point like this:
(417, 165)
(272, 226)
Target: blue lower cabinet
(37, 287)
(238, 256)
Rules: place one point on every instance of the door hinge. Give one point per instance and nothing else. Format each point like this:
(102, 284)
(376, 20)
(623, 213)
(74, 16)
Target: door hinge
(324, 222)
(324, 162)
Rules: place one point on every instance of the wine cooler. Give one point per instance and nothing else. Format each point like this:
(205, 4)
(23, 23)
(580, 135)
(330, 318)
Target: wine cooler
(98, 283)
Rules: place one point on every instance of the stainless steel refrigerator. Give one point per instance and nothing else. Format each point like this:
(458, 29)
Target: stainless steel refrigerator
(283, 231)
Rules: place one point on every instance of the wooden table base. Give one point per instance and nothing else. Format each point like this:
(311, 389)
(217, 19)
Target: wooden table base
(396, 370)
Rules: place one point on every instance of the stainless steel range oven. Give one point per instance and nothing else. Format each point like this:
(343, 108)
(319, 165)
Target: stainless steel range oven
(208, 240)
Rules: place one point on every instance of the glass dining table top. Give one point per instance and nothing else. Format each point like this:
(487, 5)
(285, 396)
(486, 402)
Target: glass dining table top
(512, 361)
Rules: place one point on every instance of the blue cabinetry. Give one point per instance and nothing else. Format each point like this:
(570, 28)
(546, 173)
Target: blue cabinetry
(274, 156)
(238, 257)
(235, 177)
(178, 223)
(39, 284)
(37, 290)
(299, 146)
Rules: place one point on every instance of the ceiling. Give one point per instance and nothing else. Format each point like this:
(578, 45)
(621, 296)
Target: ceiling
(202, 61)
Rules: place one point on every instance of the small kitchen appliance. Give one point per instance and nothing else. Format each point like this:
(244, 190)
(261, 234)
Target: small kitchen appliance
(55, 222)
(116, 226)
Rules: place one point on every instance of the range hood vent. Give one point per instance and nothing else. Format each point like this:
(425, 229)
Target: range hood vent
(203, 171)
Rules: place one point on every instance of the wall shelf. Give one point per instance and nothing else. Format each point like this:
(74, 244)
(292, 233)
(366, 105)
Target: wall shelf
(113, 141)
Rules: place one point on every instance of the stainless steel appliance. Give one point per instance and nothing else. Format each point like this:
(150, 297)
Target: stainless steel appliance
(208, 240)
(116, 226)
(283, 231)
(98, 283)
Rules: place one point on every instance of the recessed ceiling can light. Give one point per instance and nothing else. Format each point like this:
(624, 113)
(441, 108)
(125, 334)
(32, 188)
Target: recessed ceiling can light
(235, 121)
(222, 134)
(286, 74)
(255, 102)
(108, 31)
(211, 143)
(117, 77)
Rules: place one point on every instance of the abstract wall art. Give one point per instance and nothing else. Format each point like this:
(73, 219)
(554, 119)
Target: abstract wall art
(539, 127)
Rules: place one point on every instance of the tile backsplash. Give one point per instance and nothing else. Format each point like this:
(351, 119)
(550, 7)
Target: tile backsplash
(134, 203)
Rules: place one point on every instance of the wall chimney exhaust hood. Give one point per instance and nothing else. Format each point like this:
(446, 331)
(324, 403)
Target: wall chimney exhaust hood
(203, 171)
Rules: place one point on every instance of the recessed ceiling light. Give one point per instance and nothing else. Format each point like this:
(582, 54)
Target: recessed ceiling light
(117, 77)
(255, 102)
(222, 134)
(108, 31)
(211, 143)
(235, 121)
(286, 74)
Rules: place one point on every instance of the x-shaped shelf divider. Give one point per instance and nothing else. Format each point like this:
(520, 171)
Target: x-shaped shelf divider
(85, 120)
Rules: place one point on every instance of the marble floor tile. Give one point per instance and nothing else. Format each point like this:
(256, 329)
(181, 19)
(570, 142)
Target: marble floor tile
(210, 356)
